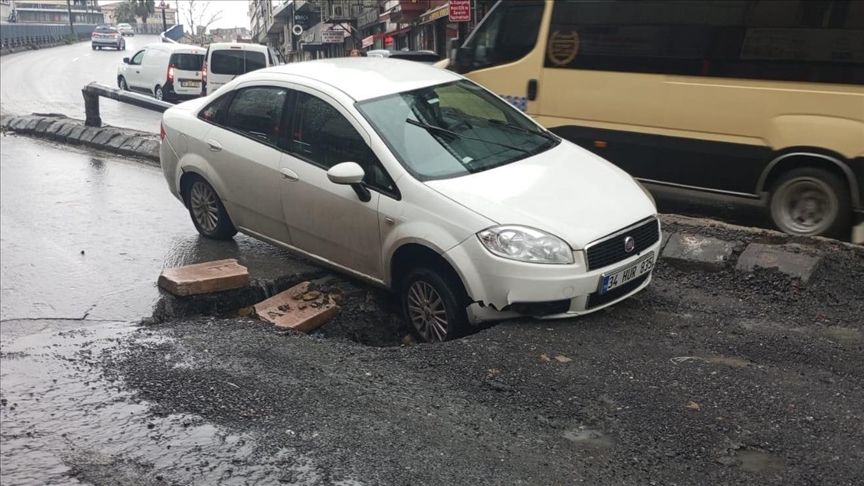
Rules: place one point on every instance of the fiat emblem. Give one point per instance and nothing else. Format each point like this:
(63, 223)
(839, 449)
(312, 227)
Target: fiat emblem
(629, 244)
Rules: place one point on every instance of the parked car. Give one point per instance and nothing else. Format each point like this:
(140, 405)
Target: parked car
(426, 57)
(107, 36)
(417, 180)
(227, 60)
(169, 72)
(126, 30)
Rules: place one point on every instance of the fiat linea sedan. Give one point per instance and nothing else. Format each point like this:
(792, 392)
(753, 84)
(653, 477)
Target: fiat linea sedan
(417, 180)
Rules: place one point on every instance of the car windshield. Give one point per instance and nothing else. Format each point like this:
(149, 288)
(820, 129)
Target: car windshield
(454, 129)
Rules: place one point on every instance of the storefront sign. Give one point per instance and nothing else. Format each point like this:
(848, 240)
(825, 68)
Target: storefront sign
(460, 10)
(368, 41)
(333, 36)
(305, 19)
(435, 14)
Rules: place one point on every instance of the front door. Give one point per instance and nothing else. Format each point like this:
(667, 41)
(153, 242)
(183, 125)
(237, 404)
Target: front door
(325, 219)
(133, 70)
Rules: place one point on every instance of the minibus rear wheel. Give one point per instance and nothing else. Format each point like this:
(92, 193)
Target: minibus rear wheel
(811, 202)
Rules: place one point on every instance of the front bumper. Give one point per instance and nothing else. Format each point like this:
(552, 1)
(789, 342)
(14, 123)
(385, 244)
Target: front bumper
(504, 288)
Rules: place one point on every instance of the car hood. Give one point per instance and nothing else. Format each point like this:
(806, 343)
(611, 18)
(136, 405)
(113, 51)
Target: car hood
(566, 191)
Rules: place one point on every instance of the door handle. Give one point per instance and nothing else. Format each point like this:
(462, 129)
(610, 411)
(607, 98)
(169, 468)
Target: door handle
(137, 72)
(214, 145)
(532, 90)
(289, 175)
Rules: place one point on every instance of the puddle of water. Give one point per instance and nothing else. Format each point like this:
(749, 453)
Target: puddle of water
(589, 438)
(757, 461)
(62, 423)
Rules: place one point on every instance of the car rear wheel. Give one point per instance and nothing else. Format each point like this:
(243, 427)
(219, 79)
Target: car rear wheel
(434, 303)
(811, 202)
(158, 93)
(207, 211)
(121, 83)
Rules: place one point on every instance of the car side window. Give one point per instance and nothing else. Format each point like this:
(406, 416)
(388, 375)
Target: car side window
(326, 138)
(257, 112)
(136, 59)
(215, 111)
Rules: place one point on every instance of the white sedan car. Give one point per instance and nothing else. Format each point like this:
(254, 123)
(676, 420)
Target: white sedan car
(417, 180)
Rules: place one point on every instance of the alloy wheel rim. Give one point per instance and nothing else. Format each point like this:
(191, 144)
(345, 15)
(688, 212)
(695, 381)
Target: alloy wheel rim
(427, 312)
(204, 207)
(806, 206)
(158, 93)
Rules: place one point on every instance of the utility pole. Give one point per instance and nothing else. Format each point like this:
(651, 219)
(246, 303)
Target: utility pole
(69, 9)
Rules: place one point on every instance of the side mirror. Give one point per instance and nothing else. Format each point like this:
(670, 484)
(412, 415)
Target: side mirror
(125, 60)
(350, 174)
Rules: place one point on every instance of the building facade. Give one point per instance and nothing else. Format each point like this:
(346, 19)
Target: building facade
(56, 12)
(233, 34)
(315, 29)
(154, 21)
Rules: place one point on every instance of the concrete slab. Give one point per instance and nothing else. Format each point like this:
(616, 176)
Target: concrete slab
(298, 308)
(75, 134)
(148, 149)
(798, 265)
(32, 123)
(103, 138)
(43, 125)
(203, 278)
(65, 131)
(54, 130)
(115, 143)
(698, 252)
(89, 134)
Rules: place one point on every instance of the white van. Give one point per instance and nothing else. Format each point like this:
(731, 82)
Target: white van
(226, 61)
(169, 72)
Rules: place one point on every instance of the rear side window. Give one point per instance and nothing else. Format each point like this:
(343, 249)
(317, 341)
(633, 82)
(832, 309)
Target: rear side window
(257, 112)
(235, 62)
(187, 62)
(215, 111)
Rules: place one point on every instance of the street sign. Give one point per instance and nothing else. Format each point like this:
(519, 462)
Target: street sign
(333, 36)
(460, 10)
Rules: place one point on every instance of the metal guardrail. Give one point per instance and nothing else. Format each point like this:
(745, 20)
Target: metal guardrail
(93, 91)
(21, 35)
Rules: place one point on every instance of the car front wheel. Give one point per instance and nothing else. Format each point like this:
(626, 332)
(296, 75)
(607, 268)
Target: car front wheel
(207, 211)
(434, 302)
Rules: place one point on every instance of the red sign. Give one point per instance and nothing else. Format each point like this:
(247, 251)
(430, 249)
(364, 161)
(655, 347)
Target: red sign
(460, 10)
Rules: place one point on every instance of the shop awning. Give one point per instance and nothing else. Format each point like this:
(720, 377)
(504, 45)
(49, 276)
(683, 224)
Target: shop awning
(435, 14)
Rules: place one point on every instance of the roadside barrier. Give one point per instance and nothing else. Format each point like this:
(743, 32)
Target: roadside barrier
(93, 91)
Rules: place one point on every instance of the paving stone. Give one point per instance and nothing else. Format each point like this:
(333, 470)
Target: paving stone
(32, 123)
(132, 142)
(698, 252)
(19, 123)
(104, 137)
(148, 149)
(75, 134)
(89, 134)
(798, 265)
(118, 141)
(44, 124)
(65, 130)
(298, 308)
(204, 278)
(54, 130)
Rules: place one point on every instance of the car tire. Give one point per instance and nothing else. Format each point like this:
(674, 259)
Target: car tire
(434, 304)
(121, 83)
(811, 202)
(92, 47)
(207, 211)
(158, 94)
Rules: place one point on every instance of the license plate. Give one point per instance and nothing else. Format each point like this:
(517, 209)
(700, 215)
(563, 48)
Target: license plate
(190, 84)
(615, 279)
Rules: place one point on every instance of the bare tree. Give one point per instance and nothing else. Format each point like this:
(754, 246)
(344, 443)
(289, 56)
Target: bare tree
(199, 17)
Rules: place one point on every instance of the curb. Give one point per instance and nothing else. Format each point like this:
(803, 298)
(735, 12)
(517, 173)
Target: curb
(35, 47)
(59, 128)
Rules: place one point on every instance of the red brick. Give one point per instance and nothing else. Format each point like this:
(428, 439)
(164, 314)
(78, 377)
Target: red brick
(284, 310)
(203, 278)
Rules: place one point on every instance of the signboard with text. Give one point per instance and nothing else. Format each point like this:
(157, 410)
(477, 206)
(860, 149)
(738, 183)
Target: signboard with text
(333, 36)
(460, 10)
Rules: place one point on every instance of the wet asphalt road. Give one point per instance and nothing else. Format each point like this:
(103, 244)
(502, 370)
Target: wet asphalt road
(50, 81)
(86, 235)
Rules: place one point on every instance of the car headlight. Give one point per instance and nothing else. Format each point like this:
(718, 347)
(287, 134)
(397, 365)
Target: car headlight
(526, 245)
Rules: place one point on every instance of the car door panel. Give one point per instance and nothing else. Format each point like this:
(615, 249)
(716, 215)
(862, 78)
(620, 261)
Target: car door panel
(133, 71)
(326, 219)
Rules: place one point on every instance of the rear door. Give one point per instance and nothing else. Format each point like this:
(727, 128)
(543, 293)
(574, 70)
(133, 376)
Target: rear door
(227, 64)
(243, 149)
(187, 72)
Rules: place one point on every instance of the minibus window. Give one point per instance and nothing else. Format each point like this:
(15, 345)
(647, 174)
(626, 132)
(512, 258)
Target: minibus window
(508, 34)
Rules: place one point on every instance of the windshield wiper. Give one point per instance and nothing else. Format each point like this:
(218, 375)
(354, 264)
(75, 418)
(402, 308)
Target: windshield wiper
(453, 134)
(543, 134)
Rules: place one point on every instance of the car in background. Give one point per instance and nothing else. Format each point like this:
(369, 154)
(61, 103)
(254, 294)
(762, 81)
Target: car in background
(225, 61)
(426, 57)
(168, 72)
(416, 180)
(106, 36)
(126, 30)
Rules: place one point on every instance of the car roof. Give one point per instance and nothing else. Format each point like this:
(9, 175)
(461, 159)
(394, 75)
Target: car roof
(237, 45)
(179, 48)
(362, 78)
